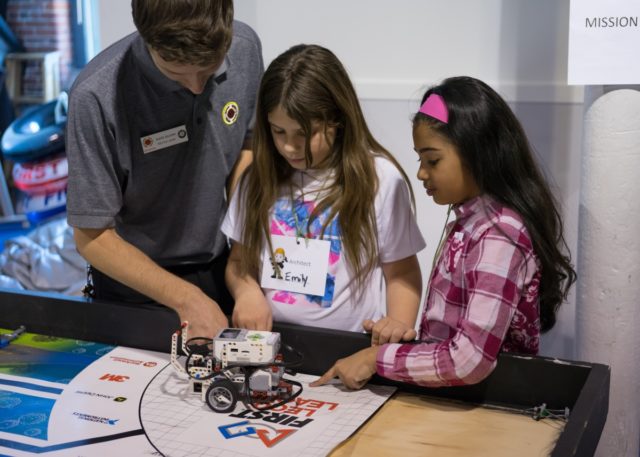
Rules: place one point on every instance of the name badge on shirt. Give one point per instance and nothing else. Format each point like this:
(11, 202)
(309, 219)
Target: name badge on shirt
(296, 265)
(164, 139)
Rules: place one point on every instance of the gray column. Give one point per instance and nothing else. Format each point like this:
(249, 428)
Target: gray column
(608, 290)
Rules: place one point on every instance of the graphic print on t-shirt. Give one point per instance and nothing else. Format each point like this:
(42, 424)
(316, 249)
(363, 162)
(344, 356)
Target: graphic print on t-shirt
(283, 223)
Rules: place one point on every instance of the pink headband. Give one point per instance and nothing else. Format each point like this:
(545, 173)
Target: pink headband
(434, 107)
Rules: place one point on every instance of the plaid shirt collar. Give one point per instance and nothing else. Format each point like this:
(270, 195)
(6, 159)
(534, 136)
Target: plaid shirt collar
(469, 208)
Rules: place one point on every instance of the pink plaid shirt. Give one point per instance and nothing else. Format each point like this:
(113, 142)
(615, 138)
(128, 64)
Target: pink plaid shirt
(482, 298)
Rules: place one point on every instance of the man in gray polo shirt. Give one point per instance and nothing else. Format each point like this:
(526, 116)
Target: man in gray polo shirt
(158, 131)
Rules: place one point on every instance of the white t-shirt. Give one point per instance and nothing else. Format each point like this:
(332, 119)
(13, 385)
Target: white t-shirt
(343, 305)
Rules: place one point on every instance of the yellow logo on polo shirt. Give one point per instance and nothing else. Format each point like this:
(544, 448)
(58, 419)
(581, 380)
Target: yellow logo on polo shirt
(230, 113)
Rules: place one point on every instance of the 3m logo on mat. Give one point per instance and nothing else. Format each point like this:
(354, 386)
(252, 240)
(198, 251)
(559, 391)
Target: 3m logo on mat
(114, 377)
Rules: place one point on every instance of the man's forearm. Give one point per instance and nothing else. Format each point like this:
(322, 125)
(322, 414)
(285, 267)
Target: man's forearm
(122, 261)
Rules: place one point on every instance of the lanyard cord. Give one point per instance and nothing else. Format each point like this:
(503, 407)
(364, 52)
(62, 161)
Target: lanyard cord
(299, 232)
(442, 242)
(436, 258)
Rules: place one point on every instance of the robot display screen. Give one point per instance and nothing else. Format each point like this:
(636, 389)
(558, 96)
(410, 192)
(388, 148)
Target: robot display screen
(230, 333)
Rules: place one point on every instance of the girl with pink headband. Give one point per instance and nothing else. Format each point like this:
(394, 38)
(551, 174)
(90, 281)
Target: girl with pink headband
(503, 268)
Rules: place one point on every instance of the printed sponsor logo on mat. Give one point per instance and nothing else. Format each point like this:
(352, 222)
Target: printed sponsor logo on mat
(98, 419)
(133, 362)
(101, 395)
(114, 377)
(262, 424)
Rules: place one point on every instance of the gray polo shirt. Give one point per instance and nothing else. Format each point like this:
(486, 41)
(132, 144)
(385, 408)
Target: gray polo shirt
(169, 201)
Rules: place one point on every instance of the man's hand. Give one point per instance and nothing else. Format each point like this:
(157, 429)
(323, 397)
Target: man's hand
(251, 311)
(354, 371)
(117, 258)
(204, 316)
(388, 330)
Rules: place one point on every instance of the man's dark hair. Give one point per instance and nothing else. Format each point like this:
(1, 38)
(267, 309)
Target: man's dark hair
(196, 32)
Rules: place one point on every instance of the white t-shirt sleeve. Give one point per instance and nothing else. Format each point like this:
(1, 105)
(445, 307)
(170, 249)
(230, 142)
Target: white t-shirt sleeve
(398, 234)
(233, 222)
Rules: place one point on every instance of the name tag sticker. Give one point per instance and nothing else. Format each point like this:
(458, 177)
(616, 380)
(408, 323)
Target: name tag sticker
(296, 265)
(164, 139)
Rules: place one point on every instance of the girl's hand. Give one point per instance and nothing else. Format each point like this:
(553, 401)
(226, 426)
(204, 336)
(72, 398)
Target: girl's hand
(252, 311)
(354, 371)
(388, 330)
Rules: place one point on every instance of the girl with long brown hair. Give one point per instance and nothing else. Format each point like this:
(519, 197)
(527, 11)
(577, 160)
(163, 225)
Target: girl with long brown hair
(323, 227)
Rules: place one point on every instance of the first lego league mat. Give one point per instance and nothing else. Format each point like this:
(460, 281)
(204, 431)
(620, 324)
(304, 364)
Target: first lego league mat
(76, 398)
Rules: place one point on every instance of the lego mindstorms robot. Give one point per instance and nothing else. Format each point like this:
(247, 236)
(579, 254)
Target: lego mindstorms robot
(237, 364)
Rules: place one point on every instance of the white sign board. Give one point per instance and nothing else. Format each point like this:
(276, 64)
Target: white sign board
(604, 42)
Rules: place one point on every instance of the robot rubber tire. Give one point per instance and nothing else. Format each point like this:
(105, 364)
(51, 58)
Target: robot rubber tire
(222, 396)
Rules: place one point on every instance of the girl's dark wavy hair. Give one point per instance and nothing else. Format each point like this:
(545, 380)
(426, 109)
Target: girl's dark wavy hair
(493, 145)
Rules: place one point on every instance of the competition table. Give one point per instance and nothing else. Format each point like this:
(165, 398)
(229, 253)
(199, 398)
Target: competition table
(518, 383)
